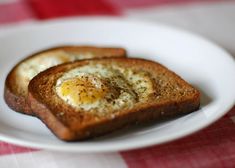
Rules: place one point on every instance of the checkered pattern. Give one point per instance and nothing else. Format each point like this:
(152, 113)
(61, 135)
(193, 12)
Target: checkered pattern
(212, 147)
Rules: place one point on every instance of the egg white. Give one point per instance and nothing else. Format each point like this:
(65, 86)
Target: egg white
(31, 67)
(122, 78)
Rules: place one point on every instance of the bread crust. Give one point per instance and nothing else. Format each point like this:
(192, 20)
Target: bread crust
(78, 125)
(18, 102)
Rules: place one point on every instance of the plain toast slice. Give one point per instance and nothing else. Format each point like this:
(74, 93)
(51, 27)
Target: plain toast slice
(16, 84)
(89, 98)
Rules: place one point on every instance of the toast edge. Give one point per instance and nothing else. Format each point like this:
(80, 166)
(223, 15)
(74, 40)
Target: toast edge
(16, 103)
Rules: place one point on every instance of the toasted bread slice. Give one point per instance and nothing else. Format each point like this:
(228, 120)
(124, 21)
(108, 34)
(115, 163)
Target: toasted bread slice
(16, 84)
(89, 98)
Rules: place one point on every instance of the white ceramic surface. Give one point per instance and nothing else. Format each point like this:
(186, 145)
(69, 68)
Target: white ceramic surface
(200, 62)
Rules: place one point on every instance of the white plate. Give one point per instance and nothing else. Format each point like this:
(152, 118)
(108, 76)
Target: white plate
(200, 62)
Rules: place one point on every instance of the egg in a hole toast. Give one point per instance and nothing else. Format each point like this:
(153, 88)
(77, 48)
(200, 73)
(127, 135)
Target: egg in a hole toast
(90, 98)
(16, 84)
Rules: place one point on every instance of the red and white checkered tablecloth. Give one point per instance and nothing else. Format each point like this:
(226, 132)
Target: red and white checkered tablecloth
(212, 147)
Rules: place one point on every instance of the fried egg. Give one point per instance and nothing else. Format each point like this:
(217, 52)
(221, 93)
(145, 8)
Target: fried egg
(103, 87)
(31, 67)
(82, 90)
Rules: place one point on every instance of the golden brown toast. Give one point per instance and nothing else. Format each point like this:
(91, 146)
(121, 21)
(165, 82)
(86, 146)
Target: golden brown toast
(89, 98)
(16, 84)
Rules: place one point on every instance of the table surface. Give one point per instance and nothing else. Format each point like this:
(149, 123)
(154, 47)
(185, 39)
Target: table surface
(211, 147)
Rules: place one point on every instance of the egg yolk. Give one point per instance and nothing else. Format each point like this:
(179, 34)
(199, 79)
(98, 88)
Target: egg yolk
(83, 90)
